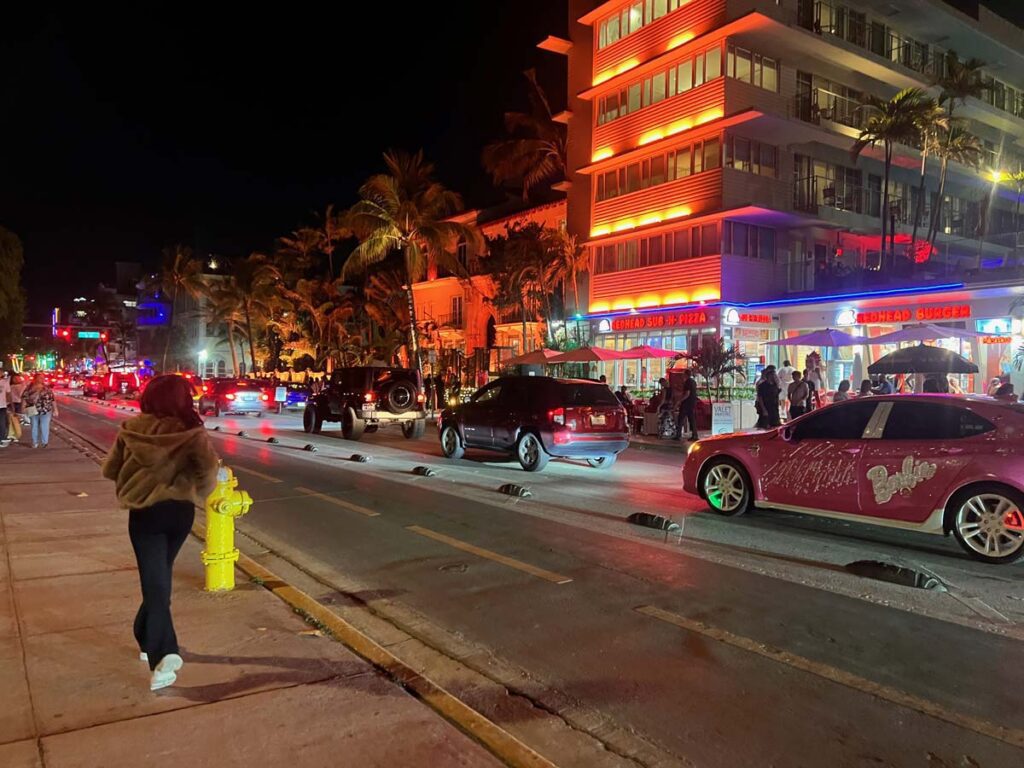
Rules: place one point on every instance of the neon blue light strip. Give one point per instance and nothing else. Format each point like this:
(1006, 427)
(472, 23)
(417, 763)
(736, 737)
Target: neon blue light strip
(784, 302)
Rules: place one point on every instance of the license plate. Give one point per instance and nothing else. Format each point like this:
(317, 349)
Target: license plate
(597, 420)
(369, 407)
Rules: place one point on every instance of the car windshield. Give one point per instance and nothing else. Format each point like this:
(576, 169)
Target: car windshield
(578, 393)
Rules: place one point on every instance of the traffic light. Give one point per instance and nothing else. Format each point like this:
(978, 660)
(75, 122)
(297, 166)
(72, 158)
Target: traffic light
(65, 333)
(103, 335)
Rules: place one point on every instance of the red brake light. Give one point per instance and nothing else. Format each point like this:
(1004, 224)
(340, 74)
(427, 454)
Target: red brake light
(369, 397)
(557, 416)
(205, 388)
(230, 395)
(264, 396)
(421, 398)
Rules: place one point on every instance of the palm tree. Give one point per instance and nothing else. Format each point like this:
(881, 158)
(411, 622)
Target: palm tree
(295, 252)
(406, 211)
(333, 228)
(889, 122)
(180, 275)
(253, 284)
(569, 261)
(520, 265)
(534, 151)
(960, 146)
(221, 308)
(928, 120)
(962, 80)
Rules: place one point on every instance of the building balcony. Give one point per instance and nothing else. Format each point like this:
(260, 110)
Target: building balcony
(685, 197)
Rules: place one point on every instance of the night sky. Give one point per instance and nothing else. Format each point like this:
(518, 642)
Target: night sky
(123, 131)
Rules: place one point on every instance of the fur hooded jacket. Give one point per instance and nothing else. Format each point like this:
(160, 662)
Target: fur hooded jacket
(160, 459)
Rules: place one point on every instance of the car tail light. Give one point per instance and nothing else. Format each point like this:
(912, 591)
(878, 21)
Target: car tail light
(264, 396)
(205, 388)
(421, 398)
(369, 397)
(557, 416)
(230, 395)
(188, 376)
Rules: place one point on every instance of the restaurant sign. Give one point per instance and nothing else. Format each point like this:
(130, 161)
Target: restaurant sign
(660, 320)
(918, 314)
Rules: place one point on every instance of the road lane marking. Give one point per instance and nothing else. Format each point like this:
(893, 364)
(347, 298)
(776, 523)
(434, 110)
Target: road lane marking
(519, 565)
(254, 473)
(1012, 736)
(338, 502)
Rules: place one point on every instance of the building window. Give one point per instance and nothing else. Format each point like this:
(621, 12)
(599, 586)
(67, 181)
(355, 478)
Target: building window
(753, 68)
(654, 250)
(676, 163)
(632, 19)
(744, 154)
(456, 318)
(742, 239)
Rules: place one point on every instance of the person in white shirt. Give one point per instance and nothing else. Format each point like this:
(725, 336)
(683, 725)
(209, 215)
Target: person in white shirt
(785, 374)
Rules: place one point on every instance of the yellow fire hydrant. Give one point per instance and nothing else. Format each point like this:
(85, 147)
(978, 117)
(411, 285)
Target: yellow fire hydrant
(222, 507)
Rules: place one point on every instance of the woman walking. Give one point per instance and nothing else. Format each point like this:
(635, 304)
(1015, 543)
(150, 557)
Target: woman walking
(163, 465)
(38, 404)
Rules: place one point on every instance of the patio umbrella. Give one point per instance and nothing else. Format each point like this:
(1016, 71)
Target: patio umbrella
(591, 355)
(826, 338)
(536, 357)
(646, 350)
(925, 332)
(922, 359)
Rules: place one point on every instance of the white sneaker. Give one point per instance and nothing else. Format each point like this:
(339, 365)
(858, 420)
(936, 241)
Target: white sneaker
(143, 656)
(166, 672)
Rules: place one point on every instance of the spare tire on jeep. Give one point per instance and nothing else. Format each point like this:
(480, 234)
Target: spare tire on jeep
(399, 396)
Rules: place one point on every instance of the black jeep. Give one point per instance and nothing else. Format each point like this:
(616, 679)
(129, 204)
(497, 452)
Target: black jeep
(366, 398)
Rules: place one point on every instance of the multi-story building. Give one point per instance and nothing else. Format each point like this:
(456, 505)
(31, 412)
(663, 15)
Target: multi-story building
(712, 177)
(464, 330)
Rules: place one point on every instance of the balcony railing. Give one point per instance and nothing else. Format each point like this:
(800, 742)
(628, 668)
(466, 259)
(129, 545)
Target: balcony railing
(451, 320)
(812, 193)
(821, 104)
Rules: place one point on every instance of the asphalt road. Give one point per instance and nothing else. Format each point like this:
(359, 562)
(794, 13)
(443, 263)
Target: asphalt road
(743, 642)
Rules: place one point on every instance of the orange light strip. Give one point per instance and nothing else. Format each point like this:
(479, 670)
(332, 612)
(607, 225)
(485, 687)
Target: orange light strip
(608, 74)
(643, 220)
(664, 131)
(701, 294)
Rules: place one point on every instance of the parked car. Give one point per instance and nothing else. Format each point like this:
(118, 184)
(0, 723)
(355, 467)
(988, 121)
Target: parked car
(111, 384)
(221, 396)
(536, 418)
(365, 398)
(297, 397)
(933, 463)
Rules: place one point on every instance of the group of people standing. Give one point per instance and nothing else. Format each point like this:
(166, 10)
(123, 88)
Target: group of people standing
(24, 403)
(675, 402)
(786, 389)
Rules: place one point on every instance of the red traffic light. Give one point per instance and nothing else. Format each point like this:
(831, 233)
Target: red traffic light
(103, 335)
(65, 333)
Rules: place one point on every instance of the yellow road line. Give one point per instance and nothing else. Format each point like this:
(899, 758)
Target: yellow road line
(254, 473)
(533, 570)
(338, 502)
(1012, 736)
(493, 737)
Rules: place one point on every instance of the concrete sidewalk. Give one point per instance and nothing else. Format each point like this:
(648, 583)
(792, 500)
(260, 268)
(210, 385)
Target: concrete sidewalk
(259, 687)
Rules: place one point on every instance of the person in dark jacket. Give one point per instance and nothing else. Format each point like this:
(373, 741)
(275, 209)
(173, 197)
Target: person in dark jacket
(163, 466)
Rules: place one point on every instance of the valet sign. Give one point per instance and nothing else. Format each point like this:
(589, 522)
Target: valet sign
(913, 314)
(660, 320)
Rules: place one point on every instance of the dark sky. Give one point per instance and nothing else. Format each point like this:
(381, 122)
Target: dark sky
(125, 131)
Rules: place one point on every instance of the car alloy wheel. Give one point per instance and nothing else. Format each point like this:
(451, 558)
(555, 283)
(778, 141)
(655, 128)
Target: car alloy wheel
(725, 488)
(990, 526)
(451, 447)
(530, 453)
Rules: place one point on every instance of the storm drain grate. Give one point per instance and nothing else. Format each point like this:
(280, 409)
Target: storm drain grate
(895, 574)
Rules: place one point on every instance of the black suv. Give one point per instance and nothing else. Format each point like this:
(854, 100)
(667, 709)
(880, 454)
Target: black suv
(366, 398)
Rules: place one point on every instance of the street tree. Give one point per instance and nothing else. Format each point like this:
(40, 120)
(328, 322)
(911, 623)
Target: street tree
(713, 361)
(179, 276)
(12, 297)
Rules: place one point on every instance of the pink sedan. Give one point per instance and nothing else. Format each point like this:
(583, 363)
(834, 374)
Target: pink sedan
(931, 463)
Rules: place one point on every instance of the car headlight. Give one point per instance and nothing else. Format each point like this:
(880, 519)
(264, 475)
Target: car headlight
(694, 447)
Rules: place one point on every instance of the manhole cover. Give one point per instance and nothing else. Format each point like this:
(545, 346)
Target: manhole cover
(895, 574)
(454, 568)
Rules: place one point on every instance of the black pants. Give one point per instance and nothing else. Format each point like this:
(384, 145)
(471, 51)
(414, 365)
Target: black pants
(157, 533)
(797, 410)
(686, 414)
(3, 423)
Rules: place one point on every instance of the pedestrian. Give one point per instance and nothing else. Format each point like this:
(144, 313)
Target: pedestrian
(798, 394)
(1006, 393)
(883, 387)
(603, 379)
(813, 391)
(687, 406)
(767, 404)
(5, 397)
(623, 397)
(18, 385)
(865, 388)
(994, 385)
(162, 465)
(843, 393)
(785, 374)
(40, 407)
